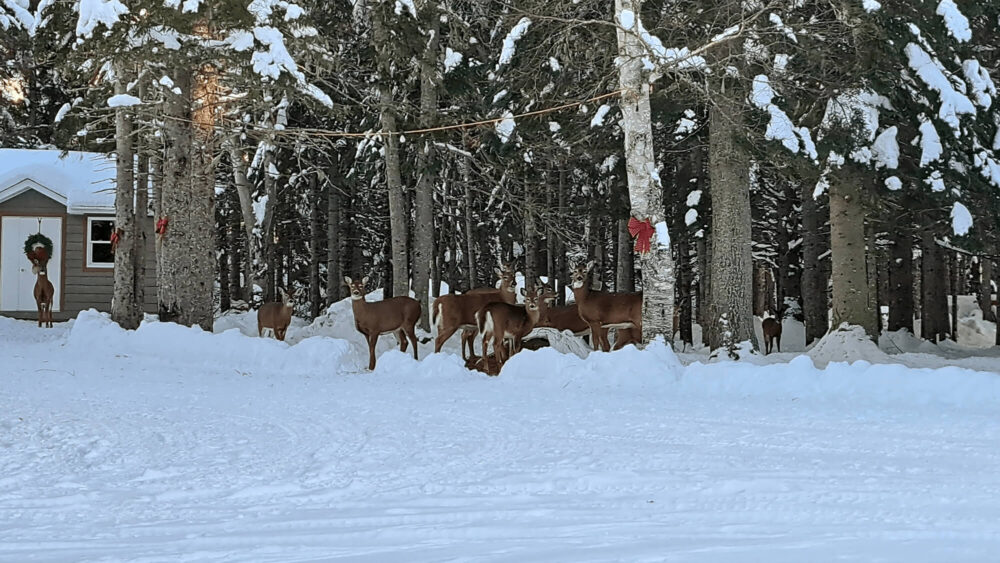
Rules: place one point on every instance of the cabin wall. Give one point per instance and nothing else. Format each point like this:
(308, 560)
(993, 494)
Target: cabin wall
(82, 288)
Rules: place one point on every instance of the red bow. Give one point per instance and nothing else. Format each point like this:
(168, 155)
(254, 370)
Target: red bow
(116, 237)
(161, 226)
(642, 232)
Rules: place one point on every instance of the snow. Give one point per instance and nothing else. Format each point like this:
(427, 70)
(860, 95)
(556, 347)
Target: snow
(961, 219)
(510, 42)
(953, 102)
(627, 19)
(63, 110)
(778, 23)
(690, 216)
(980, 82)
(726, 33)
(169, 443)
(871, 5)
(780, 127)
(123, 100)
(693, 198)
(885, 149)
(930, 143)
(93, 13)
(505, 127)
(662, 234)
(554, 64)
(84, 181)
(935, 181)
(452, 59)
(407, 5)
(954, 20)
(598, 119)
(894, 183)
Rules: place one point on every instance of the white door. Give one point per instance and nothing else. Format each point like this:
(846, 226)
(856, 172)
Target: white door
(17, 283)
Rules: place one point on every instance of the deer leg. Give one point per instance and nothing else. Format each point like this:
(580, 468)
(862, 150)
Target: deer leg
(401, 337)
(499, 350)
(372, 340)
(413, 340)
(595, 335)
(605, 343)
(468, 337)
(778, 339)
(443, 337)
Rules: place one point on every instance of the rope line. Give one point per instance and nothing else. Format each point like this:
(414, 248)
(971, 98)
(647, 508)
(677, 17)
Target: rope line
(327, 133)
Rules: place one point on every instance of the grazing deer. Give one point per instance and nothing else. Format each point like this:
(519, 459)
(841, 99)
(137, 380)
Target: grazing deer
(452, 312)
(602, 310)
(398, 315)
(772, 334)
(485, 364)
(43, 292)
(502, 321)
(276, 316)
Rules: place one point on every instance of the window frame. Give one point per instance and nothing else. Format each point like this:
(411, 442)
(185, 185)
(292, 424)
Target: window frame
(89, 243)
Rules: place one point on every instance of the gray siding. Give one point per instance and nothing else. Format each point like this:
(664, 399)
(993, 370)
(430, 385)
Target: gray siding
(82, 288)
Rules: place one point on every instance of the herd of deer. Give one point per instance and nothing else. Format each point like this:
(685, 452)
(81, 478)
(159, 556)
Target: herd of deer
(490, 312)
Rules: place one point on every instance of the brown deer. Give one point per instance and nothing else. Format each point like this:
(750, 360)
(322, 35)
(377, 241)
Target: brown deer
(501, 321)
(452, 312)
(398, 315)
(602, 310)
(43, 292)
(276, 316)
(567, 317)
(772, 334)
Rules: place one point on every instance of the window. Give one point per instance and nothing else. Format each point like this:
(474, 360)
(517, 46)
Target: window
(99, 253)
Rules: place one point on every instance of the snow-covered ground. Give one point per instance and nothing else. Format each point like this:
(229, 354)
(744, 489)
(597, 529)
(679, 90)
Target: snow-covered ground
(171, 444)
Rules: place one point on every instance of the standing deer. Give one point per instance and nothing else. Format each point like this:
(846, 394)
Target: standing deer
(501, 321)
(43, 292)
(452, 312)
(398, 315)
(276, 316)
(567, 317)
(602, 310)
(772, 334)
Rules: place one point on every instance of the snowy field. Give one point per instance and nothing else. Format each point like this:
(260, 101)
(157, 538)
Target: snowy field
(170, 444)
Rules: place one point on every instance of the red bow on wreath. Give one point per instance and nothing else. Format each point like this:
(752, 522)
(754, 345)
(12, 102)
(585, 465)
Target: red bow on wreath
(642, 232)
(161, 226)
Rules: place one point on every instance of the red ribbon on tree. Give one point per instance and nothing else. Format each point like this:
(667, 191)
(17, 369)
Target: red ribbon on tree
(642, 232)
(161, 226)
(116, 237)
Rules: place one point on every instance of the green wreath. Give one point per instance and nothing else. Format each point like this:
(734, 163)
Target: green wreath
(38, 238)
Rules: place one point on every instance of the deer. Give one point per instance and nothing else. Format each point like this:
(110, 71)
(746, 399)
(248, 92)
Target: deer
(43, 292)
(501, 321)
(452, 312)
(567, 317)
(772, 334)
(398, 315)
(276, 316)
(602, 310)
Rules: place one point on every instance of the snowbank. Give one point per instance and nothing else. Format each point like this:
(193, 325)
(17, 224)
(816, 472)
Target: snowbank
(93, 334)
(847, 344)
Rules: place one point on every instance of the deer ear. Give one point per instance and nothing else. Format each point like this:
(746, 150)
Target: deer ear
(347, 280)
(540, 291)
(523, 292)
(499, 272)
(364, 280)
(590, 265)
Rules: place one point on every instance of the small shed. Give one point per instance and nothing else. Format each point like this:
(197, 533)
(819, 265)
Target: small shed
(69, 198)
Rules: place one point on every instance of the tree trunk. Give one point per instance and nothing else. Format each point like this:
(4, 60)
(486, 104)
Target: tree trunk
(143, 226)
(315, 244)
(245, 192)
(470, 232)
(123, 307)
(815, 310)
(934, 300)
(398, 233)
(187, 269)
(953, 269)
(731, 265)
(985, 290)
(625, 276)
(901, 279)
(269, 231)
(645, 191)
(423, 227)
(851, 304)
(871, 273)
(334, 268)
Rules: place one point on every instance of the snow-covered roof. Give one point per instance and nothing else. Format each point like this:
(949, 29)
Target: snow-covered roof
(82, 181)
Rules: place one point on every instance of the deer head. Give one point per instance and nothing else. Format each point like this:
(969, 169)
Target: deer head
(39, 267)
(531, 297)
(581, 273)
(507, 276)
(546, 292)
(357, 287)
(286, 299)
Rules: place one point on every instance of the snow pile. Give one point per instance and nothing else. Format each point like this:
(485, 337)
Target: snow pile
(510, 42)
(93, 334)
(847, 344)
